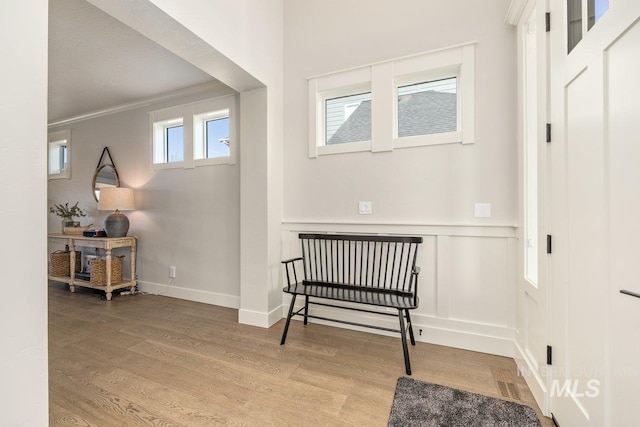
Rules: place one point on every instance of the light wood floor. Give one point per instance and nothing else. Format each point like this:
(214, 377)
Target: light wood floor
(151, 360)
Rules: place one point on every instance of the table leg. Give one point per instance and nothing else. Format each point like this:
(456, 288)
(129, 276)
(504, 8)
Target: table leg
(132, 260)
(108, 266)
(72, 265)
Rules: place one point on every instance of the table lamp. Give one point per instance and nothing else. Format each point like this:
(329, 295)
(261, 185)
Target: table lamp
(117, 199)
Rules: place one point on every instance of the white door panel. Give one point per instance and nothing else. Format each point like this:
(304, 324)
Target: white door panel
(585, 246)
(595, 220)
(623, 116)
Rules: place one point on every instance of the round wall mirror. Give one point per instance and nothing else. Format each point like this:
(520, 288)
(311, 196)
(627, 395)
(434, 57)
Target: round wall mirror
(105, 176)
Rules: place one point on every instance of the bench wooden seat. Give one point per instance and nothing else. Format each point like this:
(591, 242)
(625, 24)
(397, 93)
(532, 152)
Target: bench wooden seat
(340, 292)
(370, 270)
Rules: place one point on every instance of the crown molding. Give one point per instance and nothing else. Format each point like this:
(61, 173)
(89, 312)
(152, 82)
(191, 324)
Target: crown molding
(515, 11)
(140, 103)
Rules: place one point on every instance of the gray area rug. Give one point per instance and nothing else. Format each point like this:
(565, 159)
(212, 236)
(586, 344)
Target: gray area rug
(417, 403)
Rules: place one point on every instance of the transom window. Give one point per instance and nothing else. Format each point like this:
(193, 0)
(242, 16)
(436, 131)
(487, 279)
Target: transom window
(348, 119)
(428, 108)
(168, 136)
(174, 140)
(211, 134)
(59, 149)
(196, 134)
(407, 102)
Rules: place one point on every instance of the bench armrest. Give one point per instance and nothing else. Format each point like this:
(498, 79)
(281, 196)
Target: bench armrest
(414, 273)
(291, 262)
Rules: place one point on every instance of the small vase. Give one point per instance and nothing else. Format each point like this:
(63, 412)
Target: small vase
(66, 222)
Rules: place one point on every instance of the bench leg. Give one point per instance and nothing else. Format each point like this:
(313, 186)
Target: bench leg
(286, 325)
(403, 335)
(410, 326)
(306, 308)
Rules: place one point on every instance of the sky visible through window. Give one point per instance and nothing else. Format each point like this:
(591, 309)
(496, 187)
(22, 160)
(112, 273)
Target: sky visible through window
(218, 138)
(175, 144)
(596, 9)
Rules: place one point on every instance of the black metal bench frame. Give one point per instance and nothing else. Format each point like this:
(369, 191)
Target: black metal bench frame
(365, 269)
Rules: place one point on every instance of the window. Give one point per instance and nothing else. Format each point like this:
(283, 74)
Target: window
(212, 135)
(348, 119)
(168, 141)
(595, 9)
(59, 149)
(214, 131)
(576, 25)
(406, 102)
(174, 141)
(428, 108)
(196, 134)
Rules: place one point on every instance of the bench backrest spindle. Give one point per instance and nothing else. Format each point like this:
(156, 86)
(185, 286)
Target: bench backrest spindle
(378, 262)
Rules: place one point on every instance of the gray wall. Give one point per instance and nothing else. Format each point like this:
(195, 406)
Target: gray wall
(188, 218)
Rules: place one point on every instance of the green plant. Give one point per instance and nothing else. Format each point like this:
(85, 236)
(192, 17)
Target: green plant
(64, 211)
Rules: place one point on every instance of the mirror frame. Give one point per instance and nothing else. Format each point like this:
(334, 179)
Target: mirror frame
(95, 177)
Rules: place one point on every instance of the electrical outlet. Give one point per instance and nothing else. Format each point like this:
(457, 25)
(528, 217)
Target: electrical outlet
(483, 210)
(364, 208)
(172, 272)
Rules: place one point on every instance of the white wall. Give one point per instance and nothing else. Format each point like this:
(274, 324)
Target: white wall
(250, 34)
(438, 184)
(188, 218)
(239, 43)
(468, 288)
(23, 162)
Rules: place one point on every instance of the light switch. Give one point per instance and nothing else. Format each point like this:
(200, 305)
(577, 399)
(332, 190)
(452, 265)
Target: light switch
(364, 208)
(483, 210)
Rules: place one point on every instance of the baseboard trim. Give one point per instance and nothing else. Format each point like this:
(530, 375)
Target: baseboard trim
(197, 295)
(532, 376)
(259, 318)
(451, 333)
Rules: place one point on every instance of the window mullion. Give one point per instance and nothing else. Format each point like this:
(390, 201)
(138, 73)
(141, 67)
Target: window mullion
(383, 107)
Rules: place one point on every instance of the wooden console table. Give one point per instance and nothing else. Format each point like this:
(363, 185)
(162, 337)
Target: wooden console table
(106, 243)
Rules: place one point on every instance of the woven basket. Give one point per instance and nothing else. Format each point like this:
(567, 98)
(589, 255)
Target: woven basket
(99, 271)
(59, 264)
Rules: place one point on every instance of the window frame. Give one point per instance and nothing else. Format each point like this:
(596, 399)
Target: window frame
(55, 138)
(166, 147)
(384, 78)
(193, 119)
(159, 142)
(349, 83)
(428, 139)
(202, 113)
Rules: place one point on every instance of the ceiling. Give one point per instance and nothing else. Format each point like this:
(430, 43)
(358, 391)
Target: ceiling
(97, 63)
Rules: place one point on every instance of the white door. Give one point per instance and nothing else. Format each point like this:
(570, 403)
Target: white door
(533, 291)
(623, 196)
(595, 206)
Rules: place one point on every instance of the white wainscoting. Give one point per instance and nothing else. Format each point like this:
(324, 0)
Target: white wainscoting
(467, 286)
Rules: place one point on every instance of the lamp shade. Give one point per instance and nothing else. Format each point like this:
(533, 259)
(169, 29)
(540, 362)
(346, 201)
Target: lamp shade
(112, 198)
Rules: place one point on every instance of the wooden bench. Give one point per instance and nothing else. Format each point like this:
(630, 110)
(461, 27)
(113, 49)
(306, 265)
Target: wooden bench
(371, 270)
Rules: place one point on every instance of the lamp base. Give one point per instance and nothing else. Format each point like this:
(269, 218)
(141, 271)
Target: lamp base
(116, 224)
